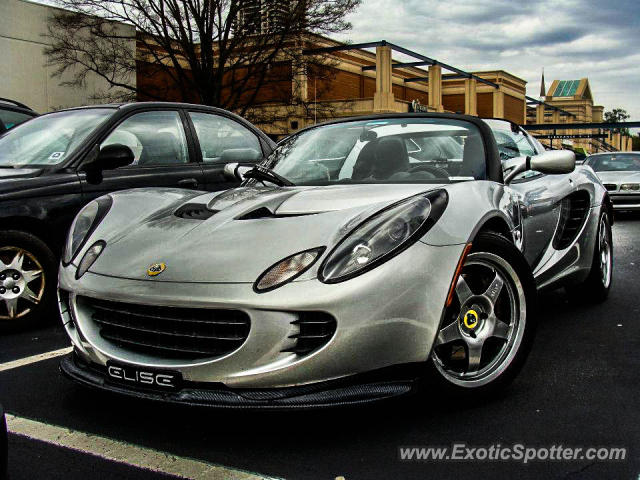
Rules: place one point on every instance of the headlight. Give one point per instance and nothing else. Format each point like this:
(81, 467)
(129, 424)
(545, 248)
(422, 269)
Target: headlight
(383, 236)
(286, 270)
(89, 258)
(83, 225)
(630, 186)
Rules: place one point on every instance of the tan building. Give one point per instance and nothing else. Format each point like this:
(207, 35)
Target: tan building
(573, 102)
(356, 81)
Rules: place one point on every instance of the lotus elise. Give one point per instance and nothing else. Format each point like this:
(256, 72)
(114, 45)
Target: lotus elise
(364, 259)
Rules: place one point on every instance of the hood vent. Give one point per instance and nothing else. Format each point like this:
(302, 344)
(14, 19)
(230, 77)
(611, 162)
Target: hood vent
(264, 212)
(194, 211)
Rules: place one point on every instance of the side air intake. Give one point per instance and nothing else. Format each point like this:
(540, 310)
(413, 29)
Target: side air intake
(573, 214)
(316, 329)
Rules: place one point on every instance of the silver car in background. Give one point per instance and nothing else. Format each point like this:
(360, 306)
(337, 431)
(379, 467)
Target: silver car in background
(620, 174)
(364, 258)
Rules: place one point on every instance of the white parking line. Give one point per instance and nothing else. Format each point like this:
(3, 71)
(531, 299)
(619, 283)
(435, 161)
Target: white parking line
(125, 453)
(34, 358)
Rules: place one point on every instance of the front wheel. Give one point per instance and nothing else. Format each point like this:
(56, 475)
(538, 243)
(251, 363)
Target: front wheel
(27, 280)
(488, 329)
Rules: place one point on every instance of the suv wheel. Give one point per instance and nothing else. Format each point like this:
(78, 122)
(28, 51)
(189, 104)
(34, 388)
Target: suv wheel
(27, 280)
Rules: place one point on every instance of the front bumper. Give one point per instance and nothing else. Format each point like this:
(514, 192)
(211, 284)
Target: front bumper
(386, 317)
(360, 389)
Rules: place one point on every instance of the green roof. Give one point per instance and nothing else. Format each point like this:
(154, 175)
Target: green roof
(566, 88)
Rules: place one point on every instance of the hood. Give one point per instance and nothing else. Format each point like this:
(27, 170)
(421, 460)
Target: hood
(10, 173)
(619, 177)
(7, 173)
(234, 236)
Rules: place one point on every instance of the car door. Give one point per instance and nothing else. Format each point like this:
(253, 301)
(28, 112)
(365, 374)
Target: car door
(540, 195)
(162, 154)
(220, 140)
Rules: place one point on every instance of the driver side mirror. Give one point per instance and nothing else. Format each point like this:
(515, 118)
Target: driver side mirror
(109, 157)
(114, 156)
(549, 162)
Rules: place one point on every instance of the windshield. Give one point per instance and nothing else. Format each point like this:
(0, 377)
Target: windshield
(616, 162)
(394, 150)
(49, 139)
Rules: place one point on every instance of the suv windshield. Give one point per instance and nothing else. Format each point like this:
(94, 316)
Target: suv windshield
(616, 162)
(394, 150)
(49, 139)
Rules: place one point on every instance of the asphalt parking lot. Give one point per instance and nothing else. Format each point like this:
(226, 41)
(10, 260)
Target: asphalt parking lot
(579, 388)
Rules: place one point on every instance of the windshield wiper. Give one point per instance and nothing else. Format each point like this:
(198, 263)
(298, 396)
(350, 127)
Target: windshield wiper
(260, 172)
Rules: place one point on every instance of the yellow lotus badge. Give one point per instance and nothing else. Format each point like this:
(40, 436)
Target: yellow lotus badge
(156, 269)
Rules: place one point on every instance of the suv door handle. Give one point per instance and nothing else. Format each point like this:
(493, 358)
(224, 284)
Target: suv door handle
(188, 183)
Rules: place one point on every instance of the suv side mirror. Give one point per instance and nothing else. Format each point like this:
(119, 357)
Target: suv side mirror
(109, 157)
(549, 162)
(114, 156)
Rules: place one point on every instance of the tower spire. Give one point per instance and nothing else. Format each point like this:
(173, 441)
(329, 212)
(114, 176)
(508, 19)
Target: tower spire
(543, 89)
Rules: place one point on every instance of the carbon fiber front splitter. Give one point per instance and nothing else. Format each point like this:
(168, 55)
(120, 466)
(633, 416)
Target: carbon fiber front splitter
(354, 390)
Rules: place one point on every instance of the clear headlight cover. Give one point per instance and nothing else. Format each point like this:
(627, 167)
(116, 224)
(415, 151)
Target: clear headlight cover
(286, 270)
(383, 236)
(85, 222)
(89, 258)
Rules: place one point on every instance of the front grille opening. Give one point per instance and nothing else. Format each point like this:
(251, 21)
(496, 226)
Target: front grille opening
(316, 329)
(611, 187)
(573, 213)
(170, 332)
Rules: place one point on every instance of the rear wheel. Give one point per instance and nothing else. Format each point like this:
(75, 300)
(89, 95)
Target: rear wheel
(27, 280)
(597, 285)
(487, 331)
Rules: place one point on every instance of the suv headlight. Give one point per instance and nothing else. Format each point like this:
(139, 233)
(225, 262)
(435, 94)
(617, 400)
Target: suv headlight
(84, 224)
(383, 236)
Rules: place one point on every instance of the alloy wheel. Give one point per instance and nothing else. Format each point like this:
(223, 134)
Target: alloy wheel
(22, 282)
(604, 250)
(483, 328)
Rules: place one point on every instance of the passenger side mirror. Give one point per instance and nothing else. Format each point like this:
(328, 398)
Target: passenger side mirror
(237, 155)
(235, 171)
(549, 162)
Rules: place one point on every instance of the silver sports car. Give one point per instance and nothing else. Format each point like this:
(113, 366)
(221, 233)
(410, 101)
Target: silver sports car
(364, 259)
(620, 174)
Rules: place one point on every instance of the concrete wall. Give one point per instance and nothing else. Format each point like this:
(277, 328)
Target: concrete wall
(24, 75)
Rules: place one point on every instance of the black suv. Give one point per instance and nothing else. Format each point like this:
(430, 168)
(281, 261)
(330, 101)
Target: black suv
(13, 113)
(54, 164)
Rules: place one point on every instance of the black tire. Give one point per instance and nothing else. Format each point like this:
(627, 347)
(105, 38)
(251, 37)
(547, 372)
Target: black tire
(45, 309)
(521, 293)
(595, 289)
(3, 446)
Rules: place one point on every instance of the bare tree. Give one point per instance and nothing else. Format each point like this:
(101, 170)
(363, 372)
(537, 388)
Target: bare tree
(233, 54)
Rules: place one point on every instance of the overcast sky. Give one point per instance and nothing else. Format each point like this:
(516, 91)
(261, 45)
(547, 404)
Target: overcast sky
(571, 39)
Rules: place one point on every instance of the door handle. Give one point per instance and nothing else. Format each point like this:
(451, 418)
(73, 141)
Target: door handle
(188, 183)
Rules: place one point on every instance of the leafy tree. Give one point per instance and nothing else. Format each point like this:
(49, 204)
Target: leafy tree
(617, 115)
(224, 53)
